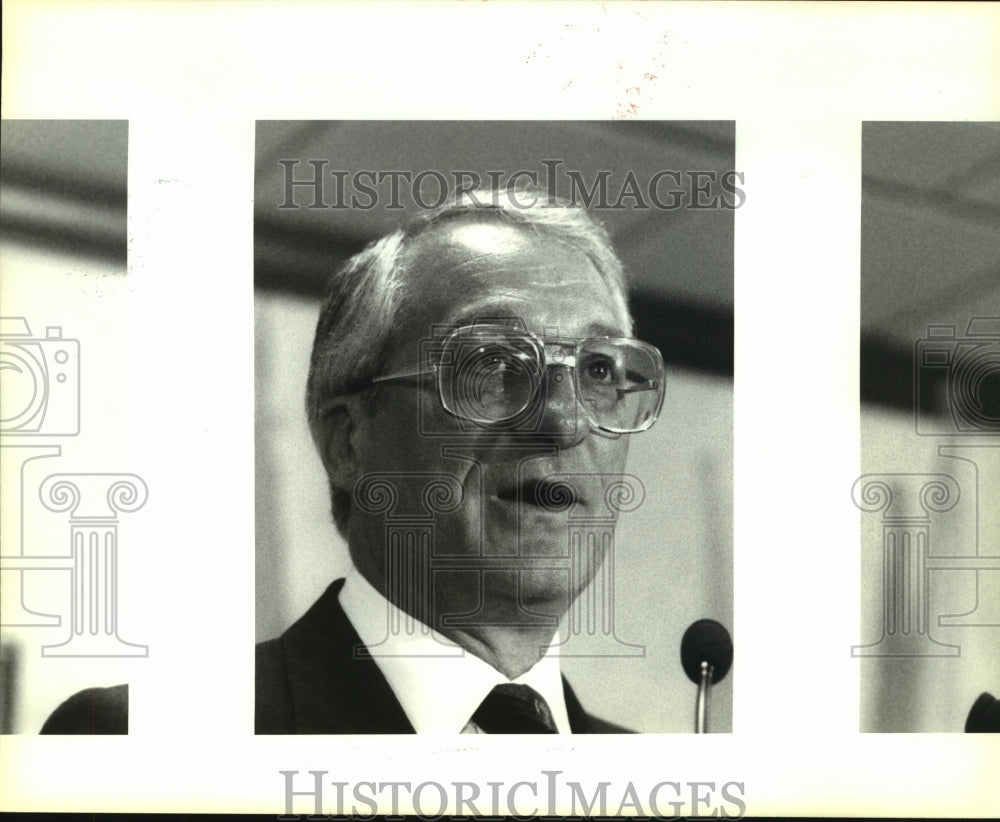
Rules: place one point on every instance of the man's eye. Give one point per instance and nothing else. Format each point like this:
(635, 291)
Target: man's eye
(599, 370)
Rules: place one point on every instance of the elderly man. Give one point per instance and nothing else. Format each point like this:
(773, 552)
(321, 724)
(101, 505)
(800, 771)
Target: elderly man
(473, 378)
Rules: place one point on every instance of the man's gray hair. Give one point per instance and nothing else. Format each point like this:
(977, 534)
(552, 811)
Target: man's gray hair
(364, 299)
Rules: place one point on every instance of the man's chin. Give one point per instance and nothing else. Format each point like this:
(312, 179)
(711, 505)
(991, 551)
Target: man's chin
(540, 571)
(544, 590)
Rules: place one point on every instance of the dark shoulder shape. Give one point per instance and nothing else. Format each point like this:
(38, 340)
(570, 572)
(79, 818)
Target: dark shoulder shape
(273, 706)
(602, 726)
(92, 711)
(314, 679)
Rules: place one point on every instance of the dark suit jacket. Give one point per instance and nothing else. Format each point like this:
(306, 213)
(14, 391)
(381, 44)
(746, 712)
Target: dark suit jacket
(309, 682)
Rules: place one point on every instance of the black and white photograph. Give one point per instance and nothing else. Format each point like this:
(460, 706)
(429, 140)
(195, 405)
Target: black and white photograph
(499, 409)
(511, 343)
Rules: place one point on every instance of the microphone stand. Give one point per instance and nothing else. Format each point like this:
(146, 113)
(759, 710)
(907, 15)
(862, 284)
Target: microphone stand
(701, 705)
(706, 654)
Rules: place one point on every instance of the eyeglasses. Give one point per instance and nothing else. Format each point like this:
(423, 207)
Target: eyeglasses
(494, 377)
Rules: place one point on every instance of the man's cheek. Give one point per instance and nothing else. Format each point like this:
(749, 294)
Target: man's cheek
(608, 455)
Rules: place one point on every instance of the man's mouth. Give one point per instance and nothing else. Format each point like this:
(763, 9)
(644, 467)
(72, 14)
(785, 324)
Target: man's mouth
(542, 493)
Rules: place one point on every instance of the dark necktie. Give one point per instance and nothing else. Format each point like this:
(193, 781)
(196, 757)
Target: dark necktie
(514, 709)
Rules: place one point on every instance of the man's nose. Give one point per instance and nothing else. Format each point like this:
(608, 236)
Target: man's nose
(562, 418)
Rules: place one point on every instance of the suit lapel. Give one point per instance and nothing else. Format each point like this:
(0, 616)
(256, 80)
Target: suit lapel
(332, 691)
(579, 719)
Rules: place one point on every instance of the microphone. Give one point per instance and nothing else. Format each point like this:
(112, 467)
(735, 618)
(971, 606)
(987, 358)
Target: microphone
(984, 717)
(706, 654)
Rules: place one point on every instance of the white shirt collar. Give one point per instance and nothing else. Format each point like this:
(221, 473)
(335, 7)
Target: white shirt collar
(439, 684)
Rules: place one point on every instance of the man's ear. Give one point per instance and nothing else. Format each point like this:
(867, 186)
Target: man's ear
(343, 422)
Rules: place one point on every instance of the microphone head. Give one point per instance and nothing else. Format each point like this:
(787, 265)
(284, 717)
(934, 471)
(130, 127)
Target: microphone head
(706, 641)
(984, 718)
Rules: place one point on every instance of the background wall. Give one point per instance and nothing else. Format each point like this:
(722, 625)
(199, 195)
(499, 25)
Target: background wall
(933, 690)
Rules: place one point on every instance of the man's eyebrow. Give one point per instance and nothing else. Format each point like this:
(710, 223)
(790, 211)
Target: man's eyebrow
(485, 313)
(602, 330)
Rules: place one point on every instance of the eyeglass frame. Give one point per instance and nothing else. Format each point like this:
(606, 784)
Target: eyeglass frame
(540, 348)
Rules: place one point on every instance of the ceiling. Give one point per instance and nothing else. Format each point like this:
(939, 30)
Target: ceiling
(681, 253)
(930, 225)
(930, 250)
(63, 185)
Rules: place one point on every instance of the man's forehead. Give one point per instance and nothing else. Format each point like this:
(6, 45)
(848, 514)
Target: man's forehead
(470, 258)
(483, 238)
(463, 272)
(473, 245)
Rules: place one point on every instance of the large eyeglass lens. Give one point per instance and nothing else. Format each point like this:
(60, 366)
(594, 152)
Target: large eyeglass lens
(619, 382)
(492, 376)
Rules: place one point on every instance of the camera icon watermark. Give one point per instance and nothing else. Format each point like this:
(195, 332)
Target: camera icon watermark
(39, 381)
(962, 374)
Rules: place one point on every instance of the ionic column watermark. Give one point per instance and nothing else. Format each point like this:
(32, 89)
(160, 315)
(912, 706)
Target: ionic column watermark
(906, 502)
(590, 536)
(94, 502)
(409, 503)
